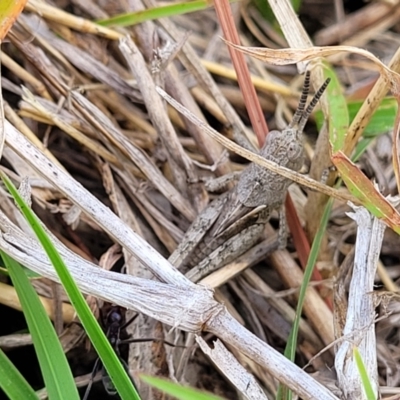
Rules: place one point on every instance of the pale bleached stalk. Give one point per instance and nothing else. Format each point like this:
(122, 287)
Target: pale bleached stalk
(360, 318)
(290, 24)
(191, 309)
(178, 303)
(95, 209)
(181, 165)
(244, 382)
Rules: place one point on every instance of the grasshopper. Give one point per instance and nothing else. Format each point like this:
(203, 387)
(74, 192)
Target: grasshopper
(233, 223)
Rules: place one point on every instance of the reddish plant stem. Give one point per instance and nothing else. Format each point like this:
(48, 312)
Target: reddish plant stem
(225, 17)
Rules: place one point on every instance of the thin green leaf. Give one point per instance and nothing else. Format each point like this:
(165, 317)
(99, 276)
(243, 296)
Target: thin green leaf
(176, 390)
(361, 147)
(12, 382)
(338, 113)
(129, 19)
(29, 273)
(290, 350)
(266, 12)
(382, 121)
(50, 354)
(100, 342)
(369, 391)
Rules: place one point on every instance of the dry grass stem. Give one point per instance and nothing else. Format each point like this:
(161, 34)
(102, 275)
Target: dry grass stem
(286, 172)
(361, 315)
(237, 375)
(134, 141)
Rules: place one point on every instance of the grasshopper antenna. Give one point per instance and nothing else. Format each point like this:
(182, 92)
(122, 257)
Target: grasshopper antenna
(308, 111)
(303, 100)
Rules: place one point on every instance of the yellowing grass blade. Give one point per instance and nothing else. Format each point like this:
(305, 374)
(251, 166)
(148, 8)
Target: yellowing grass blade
(362, 188)
(9, 11)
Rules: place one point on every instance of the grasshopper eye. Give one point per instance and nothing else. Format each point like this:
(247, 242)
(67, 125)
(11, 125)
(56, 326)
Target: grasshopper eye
(294, 151)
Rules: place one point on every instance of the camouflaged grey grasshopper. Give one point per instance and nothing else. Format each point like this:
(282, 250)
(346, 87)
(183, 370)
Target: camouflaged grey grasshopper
(234, 222)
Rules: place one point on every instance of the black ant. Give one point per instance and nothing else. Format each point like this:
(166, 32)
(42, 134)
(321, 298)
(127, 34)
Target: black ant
(114, 325)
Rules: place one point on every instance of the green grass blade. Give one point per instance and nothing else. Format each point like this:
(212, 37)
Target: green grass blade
(290, 350)
(338, 113)
(369, 391)
(100, 342)
(265, 10)
(361, 147)
(12, 382)
(291, 345)
(129, 19)
(178, 391)
(50, 354)
(382, 121)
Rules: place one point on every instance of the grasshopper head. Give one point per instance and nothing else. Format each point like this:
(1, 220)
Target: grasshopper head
(286, 147)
